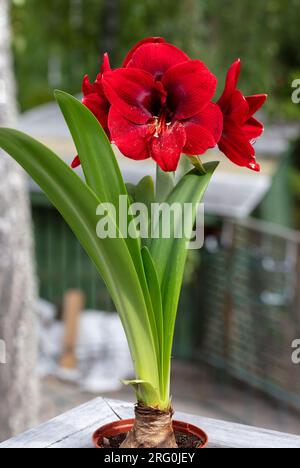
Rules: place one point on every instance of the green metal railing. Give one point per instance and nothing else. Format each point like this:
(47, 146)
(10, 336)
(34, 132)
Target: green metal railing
(250, 313)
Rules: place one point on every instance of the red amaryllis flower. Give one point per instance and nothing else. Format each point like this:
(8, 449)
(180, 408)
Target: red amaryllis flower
(161, 105)
(95, 99)
(240, 129)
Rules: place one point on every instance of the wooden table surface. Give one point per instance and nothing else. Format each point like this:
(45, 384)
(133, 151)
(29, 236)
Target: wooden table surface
(75, 428)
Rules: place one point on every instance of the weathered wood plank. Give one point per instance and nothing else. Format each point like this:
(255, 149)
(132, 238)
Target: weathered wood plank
(70, 430)
(74, 429)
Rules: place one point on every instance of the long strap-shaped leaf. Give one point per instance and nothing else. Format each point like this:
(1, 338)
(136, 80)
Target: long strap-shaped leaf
(165, 183)
(78, 204)
(155, 293)
(100, 167)
(103, 176)
(169, 255)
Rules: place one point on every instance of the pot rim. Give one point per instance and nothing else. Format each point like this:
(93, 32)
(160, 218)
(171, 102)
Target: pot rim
(125, 425)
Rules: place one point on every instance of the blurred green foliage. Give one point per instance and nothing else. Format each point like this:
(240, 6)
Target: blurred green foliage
(57, 41)
(294, 179)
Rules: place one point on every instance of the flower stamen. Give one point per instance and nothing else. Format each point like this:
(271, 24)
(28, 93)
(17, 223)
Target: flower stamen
(160, 123)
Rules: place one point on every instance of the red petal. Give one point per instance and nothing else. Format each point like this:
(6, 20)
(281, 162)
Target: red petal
(236, 147)
(106, 64)
(157, 58)
(238, 109)
(167, 147)
(204, 130)
(148, 40)
(190, 87)
(132, 92)
(255, 103)
(76, 162)
(96, 87)
(254, 166)
(87, 86)
(90, 88)
(231, 84)
(99, 106)
(131, 139)
(253, 129)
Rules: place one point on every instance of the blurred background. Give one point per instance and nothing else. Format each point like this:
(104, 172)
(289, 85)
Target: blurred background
(240, 307)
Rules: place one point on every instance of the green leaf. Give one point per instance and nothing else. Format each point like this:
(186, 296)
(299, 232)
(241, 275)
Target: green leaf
(145, 192)
(169, 255)
(155, 293)
(131, 192)
(165, 183)
(197, 163)
(140, 386)
(184, 166)
(100, 167)
(78, 204)
(97, 158)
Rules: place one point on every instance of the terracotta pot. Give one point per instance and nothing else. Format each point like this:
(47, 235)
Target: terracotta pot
(125, 426)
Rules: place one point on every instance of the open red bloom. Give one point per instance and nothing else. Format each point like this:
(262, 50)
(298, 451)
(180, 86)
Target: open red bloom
(95, 100)
(240, 129)
(161, 104)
